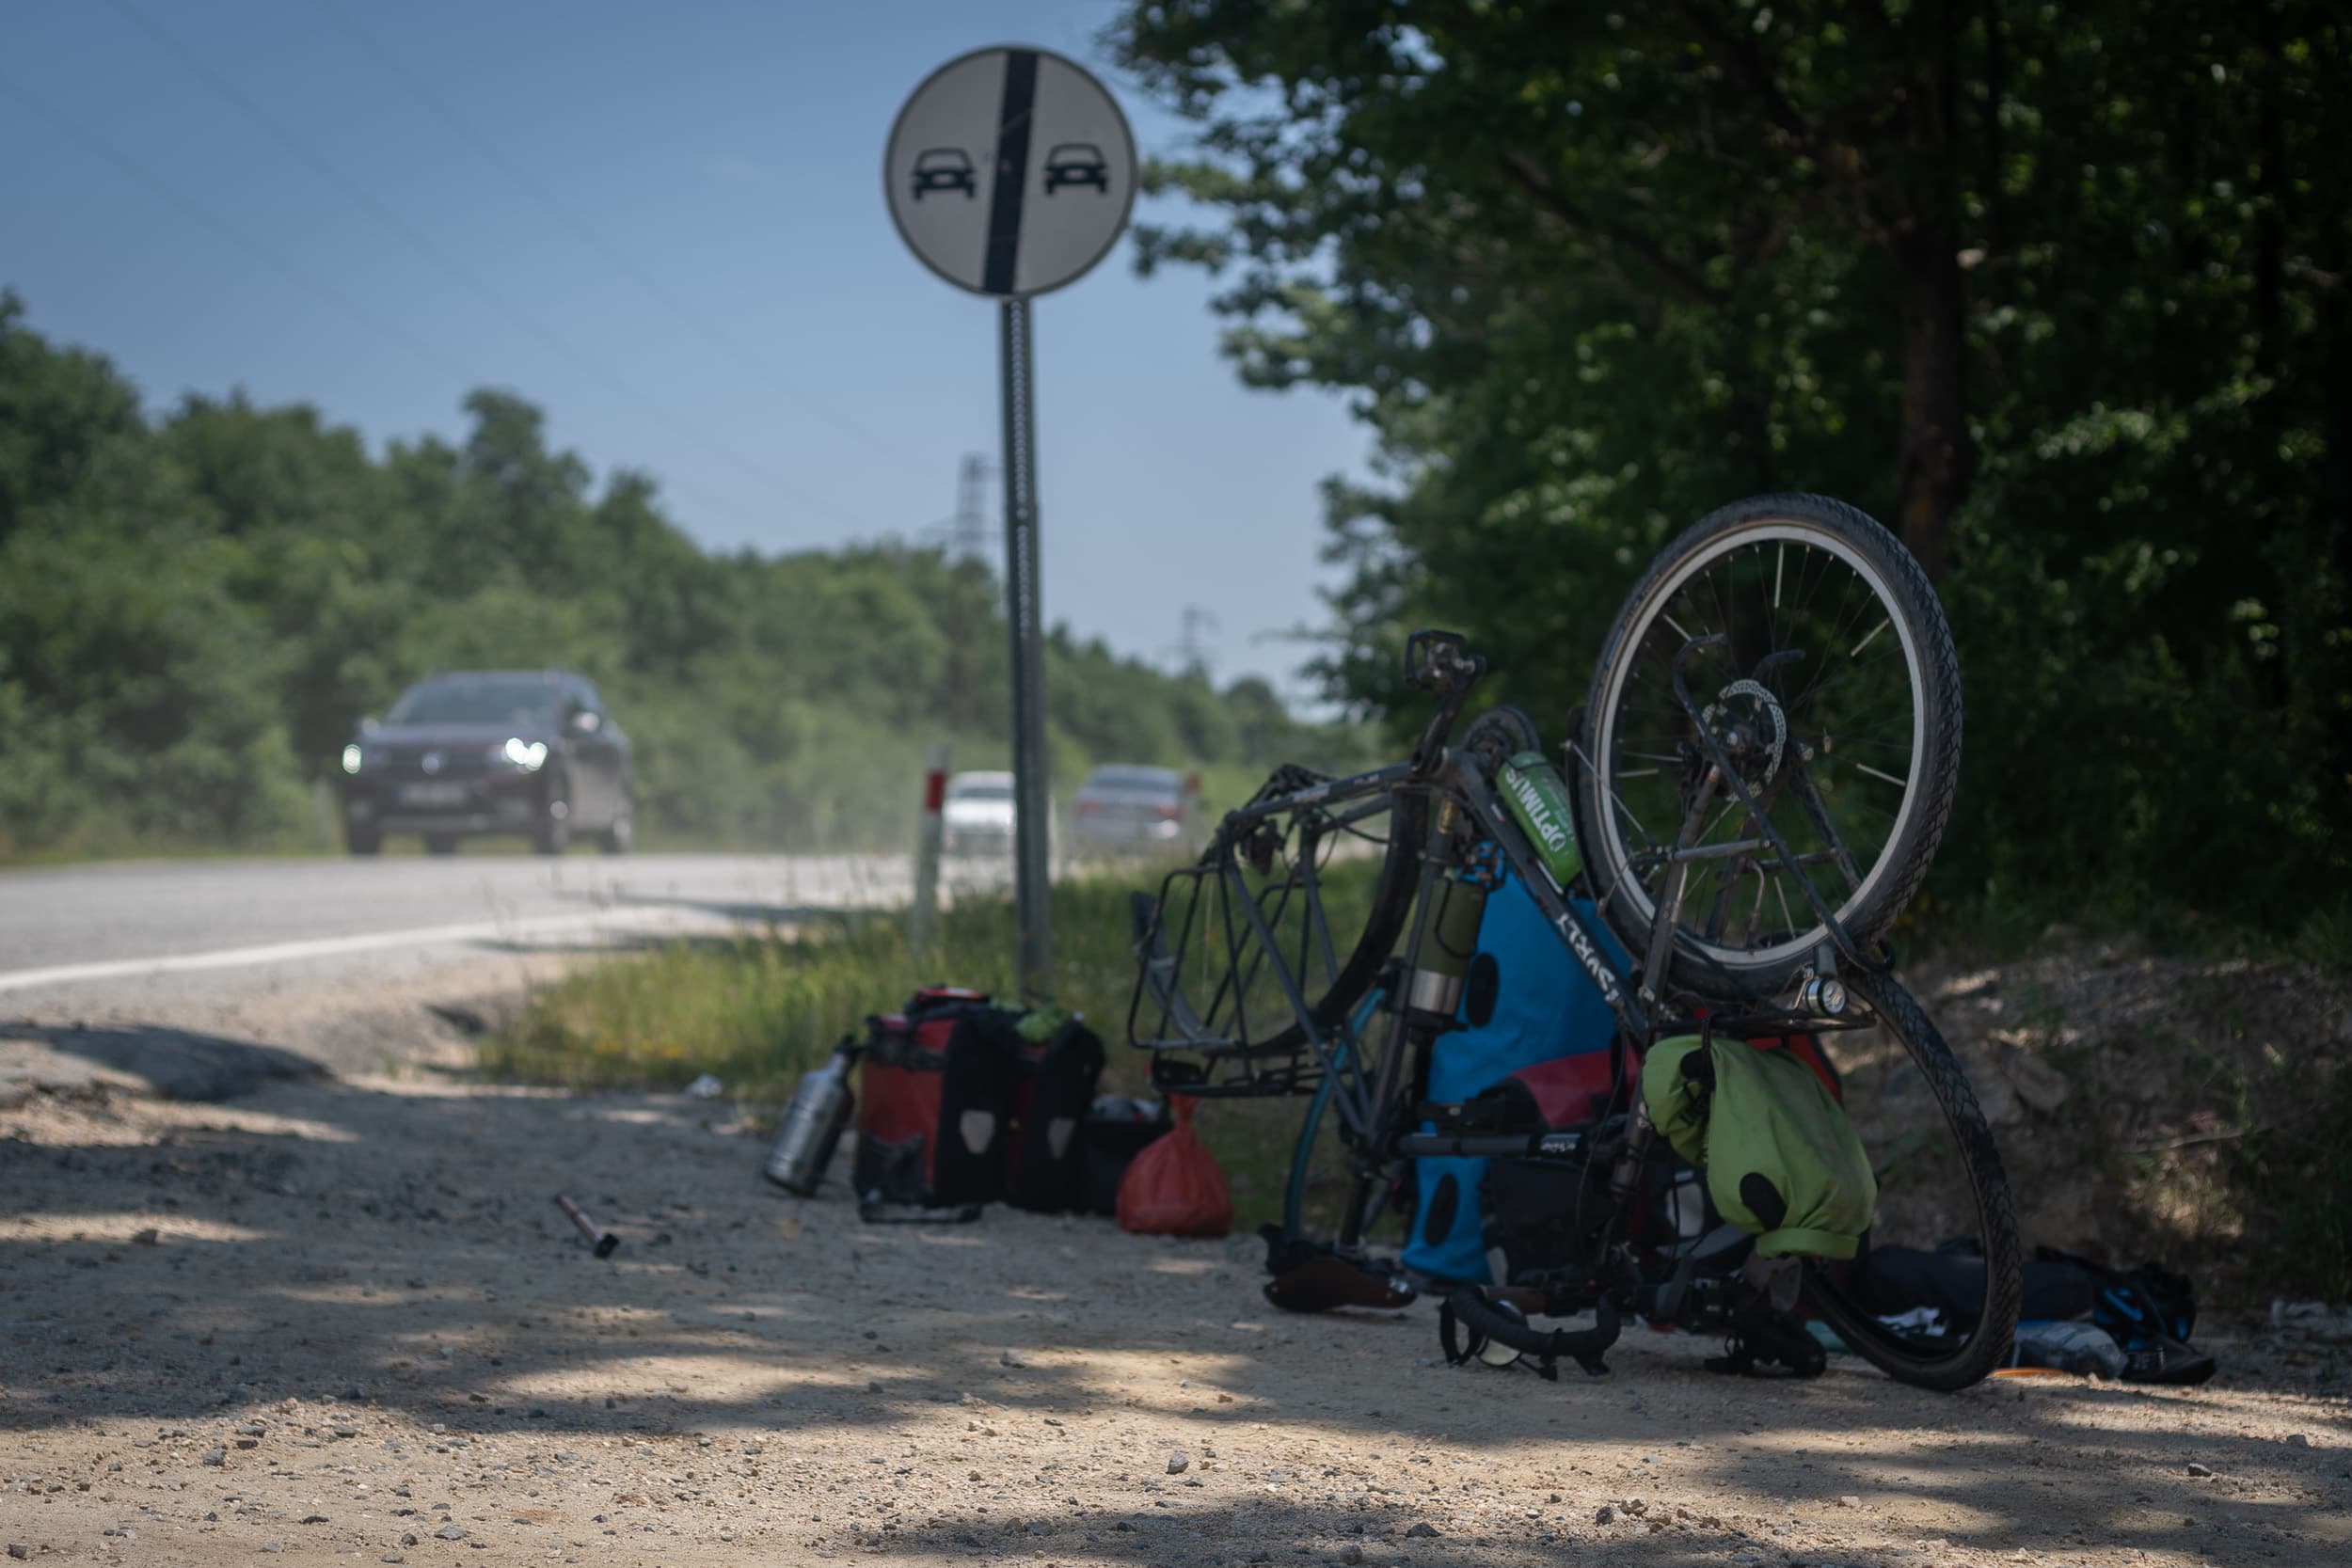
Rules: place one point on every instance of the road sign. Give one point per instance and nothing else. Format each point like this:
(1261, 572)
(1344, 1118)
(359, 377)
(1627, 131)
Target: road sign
(1010, 172)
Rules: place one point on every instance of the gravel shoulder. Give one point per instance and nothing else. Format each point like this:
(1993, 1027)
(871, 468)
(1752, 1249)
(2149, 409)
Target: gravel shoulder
(338, 1318)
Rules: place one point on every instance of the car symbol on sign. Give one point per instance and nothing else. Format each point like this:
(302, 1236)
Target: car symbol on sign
(943, 168)
(1077, 163)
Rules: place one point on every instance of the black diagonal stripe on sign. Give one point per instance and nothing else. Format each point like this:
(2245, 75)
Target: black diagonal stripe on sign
(1012, 171)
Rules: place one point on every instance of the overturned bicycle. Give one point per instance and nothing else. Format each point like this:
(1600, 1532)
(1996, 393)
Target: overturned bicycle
(1747, 801)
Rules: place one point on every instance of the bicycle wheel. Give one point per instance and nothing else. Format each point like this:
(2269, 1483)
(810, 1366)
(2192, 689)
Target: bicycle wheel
(1323, 1183)
(1940, 1184)
(1330, 887)
(1819, 658)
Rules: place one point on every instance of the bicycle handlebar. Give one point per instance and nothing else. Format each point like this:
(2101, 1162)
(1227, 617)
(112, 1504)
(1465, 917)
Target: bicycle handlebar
(1485, 1321)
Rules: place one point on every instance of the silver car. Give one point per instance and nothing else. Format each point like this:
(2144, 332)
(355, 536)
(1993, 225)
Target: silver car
(1127, 810)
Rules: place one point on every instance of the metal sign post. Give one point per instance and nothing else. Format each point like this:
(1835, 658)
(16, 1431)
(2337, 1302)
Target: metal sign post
(1025, 621)
(1010, 172)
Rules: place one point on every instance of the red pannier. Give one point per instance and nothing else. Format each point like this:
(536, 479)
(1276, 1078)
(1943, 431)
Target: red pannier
(958, 1108)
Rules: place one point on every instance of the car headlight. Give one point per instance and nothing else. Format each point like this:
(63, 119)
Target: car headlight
(353, 757)
(526, 754)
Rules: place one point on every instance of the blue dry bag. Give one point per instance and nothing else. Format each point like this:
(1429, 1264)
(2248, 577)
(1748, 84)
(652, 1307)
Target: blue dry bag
(1527, 1001)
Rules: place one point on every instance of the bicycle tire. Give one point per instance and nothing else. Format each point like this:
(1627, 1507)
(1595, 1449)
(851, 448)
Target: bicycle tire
(1391, 901)
(1925, 641)
(2004, 1273)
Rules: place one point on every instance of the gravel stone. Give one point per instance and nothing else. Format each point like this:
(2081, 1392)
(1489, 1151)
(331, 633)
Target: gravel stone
(215, 1456)
(19, 1550)
(1351, 1554)
(1178, 1464)
(1424, 1529)
(450, 1532)
(2199, 1470)
(1604, 1516)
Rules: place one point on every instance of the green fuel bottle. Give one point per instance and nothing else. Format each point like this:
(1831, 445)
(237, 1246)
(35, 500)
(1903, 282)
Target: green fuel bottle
(1448, 943)
(1538, 802)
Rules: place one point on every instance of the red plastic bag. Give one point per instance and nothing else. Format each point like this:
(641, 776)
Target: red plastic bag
(1174, 1188)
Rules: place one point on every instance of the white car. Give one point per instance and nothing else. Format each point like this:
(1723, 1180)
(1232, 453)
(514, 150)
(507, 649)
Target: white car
(977, 816)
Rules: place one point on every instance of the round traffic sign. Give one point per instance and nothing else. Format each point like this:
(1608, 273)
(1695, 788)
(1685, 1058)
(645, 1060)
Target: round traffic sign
(1010, 171)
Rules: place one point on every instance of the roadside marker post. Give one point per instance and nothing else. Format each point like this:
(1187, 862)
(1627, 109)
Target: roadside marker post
(929, 834)
(1010, 172)
(1196, 822)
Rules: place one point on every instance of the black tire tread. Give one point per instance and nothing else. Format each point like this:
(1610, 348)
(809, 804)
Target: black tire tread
(1997, 1214)
(1940, 668)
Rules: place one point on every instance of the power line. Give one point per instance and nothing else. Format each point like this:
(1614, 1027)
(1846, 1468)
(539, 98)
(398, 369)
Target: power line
(728, 342)
(425, 245)
(140, 172)
(129, 166)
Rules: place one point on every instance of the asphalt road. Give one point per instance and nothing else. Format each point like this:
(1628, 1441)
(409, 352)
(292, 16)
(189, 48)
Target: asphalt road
(149, 937)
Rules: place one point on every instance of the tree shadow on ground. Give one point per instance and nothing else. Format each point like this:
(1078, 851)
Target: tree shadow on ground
(395, 1252)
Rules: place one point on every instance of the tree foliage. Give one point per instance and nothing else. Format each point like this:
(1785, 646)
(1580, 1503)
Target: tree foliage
(195, 611)
(2058, 291)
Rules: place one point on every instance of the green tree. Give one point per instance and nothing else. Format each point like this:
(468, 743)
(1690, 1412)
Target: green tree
(2056, 290)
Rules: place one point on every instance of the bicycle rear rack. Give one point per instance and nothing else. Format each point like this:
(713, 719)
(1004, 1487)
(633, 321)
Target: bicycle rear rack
(1244, 949)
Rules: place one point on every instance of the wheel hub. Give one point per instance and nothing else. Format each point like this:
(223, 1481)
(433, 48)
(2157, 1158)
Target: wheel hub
(1747, 718)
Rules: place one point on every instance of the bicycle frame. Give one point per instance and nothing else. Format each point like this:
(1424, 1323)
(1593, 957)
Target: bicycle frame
(1373, 1114)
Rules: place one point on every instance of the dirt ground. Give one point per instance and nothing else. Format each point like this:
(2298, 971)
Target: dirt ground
(337, 1316)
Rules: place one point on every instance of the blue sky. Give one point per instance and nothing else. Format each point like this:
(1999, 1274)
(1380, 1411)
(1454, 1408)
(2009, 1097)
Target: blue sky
(741, 319)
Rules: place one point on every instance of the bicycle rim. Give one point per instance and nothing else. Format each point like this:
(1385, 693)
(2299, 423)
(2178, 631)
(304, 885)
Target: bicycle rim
(1827, 679)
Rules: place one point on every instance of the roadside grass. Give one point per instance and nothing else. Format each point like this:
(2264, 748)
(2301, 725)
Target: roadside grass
(757, 1010)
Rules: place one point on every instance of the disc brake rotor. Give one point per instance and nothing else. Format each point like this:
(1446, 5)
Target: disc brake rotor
(1751, 702)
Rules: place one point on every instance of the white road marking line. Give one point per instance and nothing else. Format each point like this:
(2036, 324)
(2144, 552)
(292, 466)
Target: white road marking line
(368, 941)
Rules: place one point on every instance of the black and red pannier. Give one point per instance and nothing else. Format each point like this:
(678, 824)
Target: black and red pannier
(904, 1084)
(1054, 1080)
(961, 1107)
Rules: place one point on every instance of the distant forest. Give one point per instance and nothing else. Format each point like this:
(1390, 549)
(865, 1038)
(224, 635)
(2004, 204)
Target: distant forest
(195, 609)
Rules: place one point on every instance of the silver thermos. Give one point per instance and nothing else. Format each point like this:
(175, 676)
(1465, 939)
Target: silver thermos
(813, 1124)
